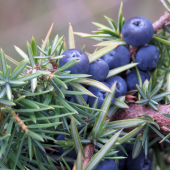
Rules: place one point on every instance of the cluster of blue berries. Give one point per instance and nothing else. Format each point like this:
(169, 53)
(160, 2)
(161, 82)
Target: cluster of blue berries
(98, 70)
(137, 32)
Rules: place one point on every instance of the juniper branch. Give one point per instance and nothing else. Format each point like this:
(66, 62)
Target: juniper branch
(134, 109)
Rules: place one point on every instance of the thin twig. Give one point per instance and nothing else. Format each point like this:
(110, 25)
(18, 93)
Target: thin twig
(19, 121)
(89, 151)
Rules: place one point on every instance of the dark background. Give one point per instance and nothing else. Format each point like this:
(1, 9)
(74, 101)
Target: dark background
(22, 19)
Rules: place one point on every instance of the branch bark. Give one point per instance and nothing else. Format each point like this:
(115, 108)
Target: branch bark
(135, 111)
(159, 24)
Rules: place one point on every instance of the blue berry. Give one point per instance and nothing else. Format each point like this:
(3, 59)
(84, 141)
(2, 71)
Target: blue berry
(139, 163)
(147, 57)
(81, 67)
(99, 70)
(71, 154)
(107, 165)
(121, 87)
(101, 94)
(118, 57)
(137, 31)
(132, 79)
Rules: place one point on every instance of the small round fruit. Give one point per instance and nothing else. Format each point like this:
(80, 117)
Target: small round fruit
(81, 67)
(139, 163)
(137, 31)
(147, 57)
(106, 165)
(101, 94)
(71, 154)
(118, 57)
(99, 70)
(132, 79)
(121, 87)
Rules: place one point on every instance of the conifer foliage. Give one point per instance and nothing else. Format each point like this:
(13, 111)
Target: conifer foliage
(52, 117)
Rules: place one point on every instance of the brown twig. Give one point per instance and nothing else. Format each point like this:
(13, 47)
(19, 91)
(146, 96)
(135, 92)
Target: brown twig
(135, 111)
(19, 121)
(89, 151)
(159, 24)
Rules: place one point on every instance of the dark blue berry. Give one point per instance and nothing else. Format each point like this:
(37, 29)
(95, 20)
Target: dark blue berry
(147, 57)
(118, 57)
(71, 98)
(107, 165)
(121, 87)
(81, 67)
(101, 94)
(132, 79)
(137, 31)
(71, 154)
(139, 163)
(99, 70)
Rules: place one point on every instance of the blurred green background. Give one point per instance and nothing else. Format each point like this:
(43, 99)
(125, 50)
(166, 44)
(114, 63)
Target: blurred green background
(22, 19)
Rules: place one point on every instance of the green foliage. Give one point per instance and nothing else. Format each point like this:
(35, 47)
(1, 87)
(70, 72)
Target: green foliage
(149, 94)
(34, 109)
